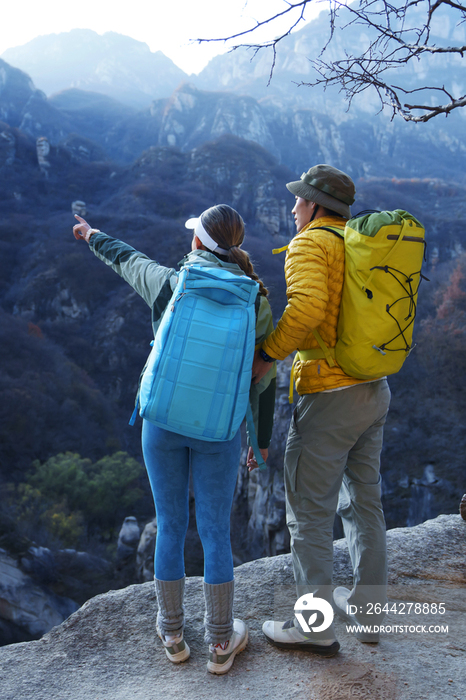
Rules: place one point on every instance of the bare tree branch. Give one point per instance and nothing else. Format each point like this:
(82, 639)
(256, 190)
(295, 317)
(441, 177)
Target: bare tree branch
(400, 31)
(418, 49)
(431, 112)
(290, 8)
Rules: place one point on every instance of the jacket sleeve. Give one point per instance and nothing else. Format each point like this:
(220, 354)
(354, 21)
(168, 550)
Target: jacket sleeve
(262, 395)
(263, 408)
(146, 276)
(306, 273)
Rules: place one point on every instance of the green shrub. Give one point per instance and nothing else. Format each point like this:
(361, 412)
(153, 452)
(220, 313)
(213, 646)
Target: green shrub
(68, 497)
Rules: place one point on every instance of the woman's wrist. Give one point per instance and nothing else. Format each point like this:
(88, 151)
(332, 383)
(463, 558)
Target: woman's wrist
(90, 232)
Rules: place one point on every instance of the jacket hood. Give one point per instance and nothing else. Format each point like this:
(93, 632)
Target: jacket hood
(206, 259)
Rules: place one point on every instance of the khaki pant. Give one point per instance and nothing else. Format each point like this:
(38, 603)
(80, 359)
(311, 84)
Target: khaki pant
(332, 464)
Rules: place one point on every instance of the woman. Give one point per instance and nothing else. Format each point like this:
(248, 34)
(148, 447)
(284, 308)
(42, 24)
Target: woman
(169, 457)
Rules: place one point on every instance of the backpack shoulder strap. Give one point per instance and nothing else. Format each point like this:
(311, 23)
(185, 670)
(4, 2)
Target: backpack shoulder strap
(327, 228)
(275, 251)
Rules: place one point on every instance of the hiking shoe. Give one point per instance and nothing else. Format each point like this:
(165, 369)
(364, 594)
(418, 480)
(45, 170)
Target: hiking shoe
(221, 656)
(176, 648)
(340, 605)
(288, 635)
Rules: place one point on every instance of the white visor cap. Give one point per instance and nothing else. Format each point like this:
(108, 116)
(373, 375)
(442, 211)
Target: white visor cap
(203, 236)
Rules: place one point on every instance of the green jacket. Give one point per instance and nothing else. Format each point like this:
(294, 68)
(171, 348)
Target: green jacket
(155, 284)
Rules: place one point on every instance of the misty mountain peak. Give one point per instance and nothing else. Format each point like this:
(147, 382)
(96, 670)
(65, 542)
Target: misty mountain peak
(113, 64)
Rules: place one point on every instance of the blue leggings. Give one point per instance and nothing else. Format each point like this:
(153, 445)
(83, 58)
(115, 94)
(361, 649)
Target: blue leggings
(214, 466)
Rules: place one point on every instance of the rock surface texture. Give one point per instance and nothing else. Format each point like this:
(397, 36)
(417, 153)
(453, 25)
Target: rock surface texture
(109, 648)
(27, 606)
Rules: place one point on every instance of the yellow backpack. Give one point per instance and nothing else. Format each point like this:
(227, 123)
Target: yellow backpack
(383, 259)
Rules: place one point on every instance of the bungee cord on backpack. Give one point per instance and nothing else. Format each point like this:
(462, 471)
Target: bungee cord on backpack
(411, 294)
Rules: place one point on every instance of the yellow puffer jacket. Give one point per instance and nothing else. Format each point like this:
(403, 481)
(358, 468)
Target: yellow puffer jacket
(314, 271)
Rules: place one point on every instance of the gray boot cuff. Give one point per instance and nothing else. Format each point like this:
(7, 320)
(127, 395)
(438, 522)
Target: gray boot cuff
(218, 611)
(170, 616)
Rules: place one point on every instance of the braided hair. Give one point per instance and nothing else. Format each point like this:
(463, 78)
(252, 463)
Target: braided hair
(226, 227)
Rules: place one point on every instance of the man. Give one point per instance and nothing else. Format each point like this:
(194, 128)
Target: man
(332, 456)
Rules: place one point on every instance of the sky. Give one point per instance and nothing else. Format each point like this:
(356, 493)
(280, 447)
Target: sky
(165, 25)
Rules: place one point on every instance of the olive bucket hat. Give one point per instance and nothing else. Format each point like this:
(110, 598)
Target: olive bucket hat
(327, 186)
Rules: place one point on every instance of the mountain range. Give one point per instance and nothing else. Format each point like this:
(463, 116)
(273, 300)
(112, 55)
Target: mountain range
(126, 69)
(113, 64)
(295, 134)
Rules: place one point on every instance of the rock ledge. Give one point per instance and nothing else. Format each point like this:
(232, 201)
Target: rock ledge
(108, 649)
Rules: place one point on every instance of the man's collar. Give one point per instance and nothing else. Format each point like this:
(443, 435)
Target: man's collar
(336, 221)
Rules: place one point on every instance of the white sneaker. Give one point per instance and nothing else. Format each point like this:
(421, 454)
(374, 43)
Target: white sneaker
(287, 635)
(221, 656)
(176, 648)
(340, 605)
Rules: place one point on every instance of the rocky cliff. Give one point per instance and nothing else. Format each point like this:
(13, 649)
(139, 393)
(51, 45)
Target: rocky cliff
(295, 134)
(25, 107)
(233, 95)
(109, 648)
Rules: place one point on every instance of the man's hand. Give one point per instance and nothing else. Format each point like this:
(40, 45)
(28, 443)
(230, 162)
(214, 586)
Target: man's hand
(259, 368)
(251, 461)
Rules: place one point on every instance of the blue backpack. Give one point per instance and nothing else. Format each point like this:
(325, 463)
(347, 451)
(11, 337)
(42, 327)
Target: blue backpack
(197, 379)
